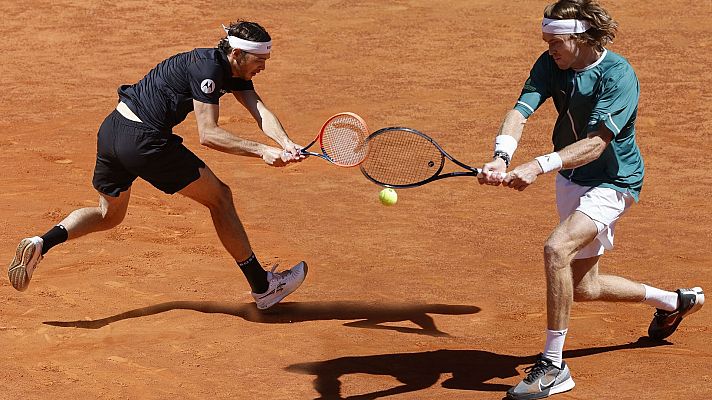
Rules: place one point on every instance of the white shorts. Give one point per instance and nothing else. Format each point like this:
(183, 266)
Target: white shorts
(603, 205)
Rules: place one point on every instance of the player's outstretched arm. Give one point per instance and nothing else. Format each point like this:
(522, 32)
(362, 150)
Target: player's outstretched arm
(586, 150)
(267, 121)
(572, 156)
(215, 137)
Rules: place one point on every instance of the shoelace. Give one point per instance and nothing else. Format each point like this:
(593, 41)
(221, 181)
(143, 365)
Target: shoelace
(535, 371)
(282, 274)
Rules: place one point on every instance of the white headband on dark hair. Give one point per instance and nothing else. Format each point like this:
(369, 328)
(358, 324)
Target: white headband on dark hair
(248, 45)
(564, 26)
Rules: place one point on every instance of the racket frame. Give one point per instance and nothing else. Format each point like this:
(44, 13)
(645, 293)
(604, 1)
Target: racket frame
(470, 171)
(320, 139)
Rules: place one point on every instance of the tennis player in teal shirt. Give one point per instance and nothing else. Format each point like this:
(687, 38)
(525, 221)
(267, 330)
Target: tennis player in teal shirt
(603, 93)
(599, 176)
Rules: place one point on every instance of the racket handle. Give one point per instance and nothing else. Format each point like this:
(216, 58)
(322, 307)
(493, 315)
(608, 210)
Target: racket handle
(309, 153)
(501, 175)
(285, 156)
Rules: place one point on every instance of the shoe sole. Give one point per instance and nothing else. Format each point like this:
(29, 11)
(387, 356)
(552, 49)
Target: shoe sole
(17, 271)
(562, 387)
(285, 293)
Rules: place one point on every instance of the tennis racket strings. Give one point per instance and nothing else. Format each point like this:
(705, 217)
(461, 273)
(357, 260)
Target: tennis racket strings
(400, 157)
(344, 140)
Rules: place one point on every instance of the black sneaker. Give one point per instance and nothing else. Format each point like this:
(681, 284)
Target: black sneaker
(665, 322)
(543, 380)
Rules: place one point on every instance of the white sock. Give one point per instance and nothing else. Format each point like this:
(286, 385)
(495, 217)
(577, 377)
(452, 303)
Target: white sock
(554, 347)
(661, 299)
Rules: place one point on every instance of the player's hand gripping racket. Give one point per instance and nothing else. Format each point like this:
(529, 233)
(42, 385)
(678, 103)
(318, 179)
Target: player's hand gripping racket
(342, 140)
(403, 158)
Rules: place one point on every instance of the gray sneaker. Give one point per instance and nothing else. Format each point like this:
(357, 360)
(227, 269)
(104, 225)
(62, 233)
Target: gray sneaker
(281, 285)
(27, 256)
(664, 323)
(543, 380)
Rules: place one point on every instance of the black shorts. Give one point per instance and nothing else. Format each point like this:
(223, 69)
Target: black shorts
(126, 150)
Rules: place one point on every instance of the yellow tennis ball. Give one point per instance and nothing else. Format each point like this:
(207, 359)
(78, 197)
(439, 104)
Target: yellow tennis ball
(388, 197)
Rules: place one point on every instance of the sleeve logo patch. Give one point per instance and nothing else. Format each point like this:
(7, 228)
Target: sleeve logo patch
(528, 86)
(207, 86)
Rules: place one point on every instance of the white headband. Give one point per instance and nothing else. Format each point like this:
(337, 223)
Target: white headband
(248, 45)
(564, 26)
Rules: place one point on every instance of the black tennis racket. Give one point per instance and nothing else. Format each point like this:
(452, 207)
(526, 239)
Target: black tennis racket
(401, 157)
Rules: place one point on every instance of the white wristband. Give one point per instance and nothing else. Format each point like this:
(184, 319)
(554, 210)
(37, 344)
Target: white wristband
(550, 162)
(505, 143)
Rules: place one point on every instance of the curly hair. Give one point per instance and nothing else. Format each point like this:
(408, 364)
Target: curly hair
(603, 26)
(247, 30)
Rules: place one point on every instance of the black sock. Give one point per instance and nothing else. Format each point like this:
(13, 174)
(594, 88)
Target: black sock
(255, 274)
(58, 234)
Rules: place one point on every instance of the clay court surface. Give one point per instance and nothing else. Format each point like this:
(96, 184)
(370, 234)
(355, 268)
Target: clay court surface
(438, 297)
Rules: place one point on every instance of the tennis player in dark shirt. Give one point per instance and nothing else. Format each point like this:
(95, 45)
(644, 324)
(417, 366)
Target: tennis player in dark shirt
(136, 140)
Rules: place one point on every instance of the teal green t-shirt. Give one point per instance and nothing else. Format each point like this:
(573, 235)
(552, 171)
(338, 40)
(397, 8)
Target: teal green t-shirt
(605, 92)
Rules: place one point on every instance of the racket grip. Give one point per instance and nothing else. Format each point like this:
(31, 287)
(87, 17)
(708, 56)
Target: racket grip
(309, 153)
(500, 175)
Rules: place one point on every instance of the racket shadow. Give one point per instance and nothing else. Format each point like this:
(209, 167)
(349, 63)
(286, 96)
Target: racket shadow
(469, 369)
(359, 314)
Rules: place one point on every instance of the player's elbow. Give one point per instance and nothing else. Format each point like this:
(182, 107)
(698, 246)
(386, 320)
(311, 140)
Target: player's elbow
(205, 140)
(207, 137)
(599, 148)
(210, 143)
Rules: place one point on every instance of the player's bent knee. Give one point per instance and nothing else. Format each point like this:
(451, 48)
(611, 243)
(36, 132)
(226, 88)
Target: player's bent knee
(112, 215)
(115, 219)
(225, 193)
(111, 219)
(222, 197)
(210, 192)
(554, 254)
(559, 250)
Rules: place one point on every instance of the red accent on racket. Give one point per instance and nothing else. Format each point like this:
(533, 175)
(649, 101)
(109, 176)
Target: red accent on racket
(342, 140)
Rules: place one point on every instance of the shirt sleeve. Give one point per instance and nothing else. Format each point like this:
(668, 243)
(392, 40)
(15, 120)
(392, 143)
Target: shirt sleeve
(206, 80)
(537, 87)
(617, 105)
(238, 85)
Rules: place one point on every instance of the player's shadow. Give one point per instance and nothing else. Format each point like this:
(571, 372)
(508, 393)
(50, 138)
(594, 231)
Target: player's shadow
(360, 315)
(470, 369)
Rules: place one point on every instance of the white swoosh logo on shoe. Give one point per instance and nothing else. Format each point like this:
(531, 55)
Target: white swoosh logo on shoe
(543, 385)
